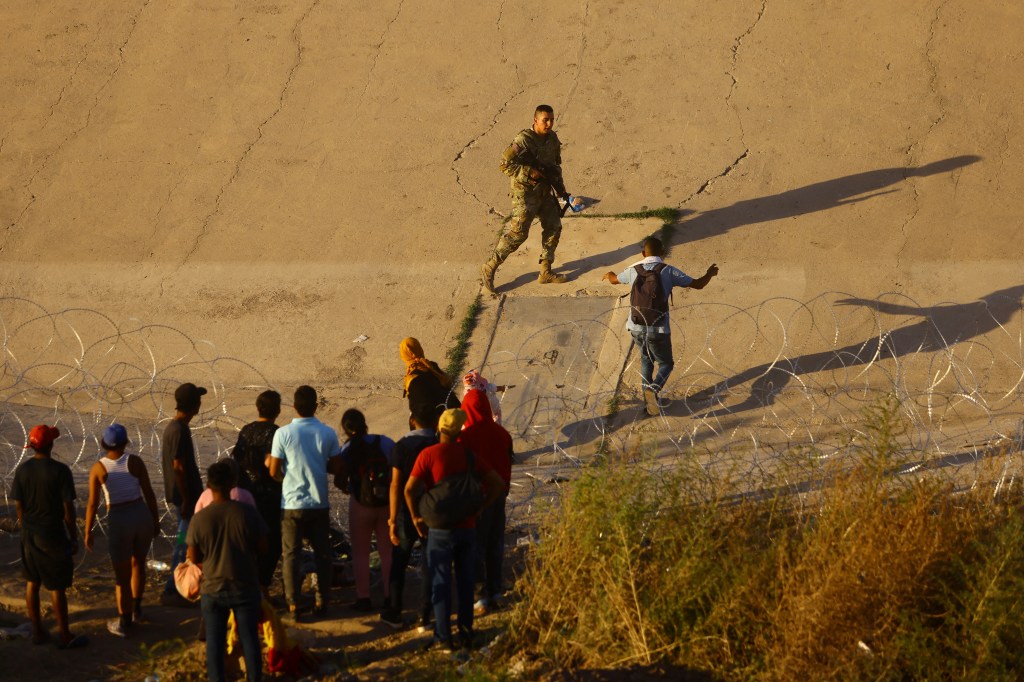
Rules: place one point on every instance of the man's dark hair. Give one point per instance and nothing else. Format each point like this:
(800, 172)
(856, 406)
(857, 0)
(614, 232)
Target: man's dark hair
(268, 404)
(221, 477)
(654, 247)
(546, 108)
(305, 401)
(354, 422)
(425, 416)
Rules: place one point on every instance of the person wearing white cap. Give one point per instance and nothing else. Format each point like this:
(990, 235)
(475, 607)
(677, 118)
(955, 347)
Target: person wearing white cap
(132, 522)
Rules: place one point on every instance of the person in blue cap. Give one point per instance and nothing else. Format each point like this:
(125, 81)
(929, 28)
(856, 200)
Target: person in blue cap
(132, 522)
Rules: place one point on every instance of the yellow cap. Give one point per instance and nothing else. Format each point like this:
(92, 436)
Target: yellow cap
(451, 421)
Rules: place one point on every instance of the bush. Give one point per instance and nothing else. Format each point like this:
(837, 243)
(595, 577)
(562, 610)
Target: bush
(870, 576)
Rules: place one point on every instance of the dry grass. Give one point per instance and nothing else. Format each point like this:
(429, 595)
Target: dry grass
(885, 578)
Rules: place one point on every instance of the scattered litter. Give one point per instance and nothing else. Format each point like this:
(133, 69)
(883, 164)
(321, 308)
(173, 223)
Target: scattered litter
(360, 338)
(864, 648)
(23, 630)
(556, 479)
(158, 565)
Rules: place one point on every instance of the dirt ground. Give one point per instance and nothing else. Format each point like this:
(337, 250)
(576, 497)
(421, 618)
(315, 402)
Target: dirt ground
(344, 640)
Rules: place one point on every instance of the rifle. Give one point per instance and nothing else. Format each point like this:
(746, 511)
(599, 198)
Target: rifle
(552, 175)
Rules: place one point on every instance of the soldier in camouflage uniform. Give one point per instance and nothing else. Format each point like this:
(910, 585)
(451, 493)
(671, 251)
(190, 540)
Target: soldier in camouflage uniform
(533, 162)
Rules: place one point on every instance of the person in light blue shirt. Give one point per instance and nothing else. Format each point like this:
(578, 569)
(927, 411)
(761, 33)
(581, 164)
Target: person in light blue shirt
(302, 455)
(650, 327)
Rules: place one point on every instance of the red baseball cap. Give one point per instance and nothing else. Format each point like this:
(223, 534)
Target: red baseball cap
(42, 436)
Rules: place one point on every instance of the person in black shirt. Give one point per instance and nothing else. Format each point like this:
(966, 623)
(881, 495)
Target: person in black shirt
(402, 531)
(426, 385)
(225, 538)
(182, 482)
(44, 496)
(255, 441)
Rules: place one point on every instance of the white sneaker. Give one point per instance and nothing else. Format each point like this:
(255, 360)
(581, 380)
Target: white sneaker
(114, 627)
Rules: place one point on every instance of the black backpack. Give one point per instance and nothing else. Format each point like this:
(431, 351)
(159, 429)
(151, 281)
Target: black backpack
(454, 498)
(372, 471)
(647, 300)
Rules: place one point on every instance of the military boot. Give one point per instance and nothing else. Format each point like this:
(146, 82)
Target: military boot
(548, 277)
(487, 271)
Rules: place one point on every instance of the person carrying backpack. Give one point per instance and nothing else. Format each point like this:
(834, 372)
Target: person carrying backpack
(437, 483)
(366, 478)
(652, 281)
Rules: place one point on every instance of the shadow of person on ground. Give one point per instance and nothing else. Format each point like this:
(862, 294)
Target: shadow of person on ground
(820, 196)
(940, 328)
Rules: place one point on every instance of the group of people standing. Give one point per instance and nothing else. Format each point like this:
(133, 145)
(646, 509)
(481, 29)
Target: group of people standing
(258, 506)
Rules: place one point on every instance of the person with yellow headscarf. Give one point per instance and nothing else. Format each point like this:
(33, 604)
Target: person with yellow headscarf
(426, 386)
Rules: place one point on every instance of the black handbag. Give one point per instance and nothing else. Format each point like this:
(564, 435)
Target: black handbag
(454, 499)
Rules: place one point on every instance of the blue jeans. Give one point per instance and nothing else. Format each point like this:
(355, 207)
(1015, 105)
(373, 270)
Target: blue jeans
(654, 348)
(180, 550)
(444, 548)
(246, 606)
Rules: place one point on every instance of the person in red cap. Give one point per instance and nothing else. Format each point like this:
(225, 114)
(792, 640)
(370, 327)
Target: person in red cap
(183, 483)
(44, 495)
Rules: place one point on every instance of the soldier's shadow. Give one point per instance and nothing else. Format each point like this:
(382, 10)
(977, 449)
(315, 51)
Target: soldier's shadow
(818, 196)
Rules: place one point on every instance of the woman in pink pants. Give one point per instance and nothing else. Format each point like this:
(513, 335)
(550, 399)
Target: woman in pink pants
(366, 478)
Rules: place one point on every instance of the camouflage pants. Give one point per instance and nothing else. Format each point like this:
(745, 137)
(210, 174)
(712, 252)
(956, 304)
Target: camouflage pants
(526, 207)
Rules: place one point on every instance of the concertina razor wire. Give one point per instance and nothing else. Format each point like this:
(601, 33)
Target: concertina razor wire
(762, 395)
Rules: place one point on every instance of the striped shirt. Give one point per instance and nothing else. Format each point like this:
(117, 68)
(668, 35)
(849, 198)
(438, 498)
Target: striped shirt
(121, 485)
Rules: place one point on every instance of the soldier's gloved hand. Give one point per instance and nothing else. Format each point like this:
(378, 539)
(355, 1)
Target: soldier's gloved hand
(536, 174)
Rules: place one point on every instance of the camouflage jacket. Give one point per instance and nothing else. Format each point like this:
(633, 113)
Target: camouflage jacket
(545, 149)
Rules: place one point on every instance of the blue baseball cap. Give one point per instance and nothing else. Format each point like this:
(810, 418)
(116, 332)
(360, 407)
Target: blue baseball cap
(114, 436)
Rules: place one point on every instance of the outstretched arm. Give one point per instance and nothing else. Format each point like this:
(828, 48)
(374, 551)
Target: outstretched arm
(702, 282)
(611, 277)
(888, 308)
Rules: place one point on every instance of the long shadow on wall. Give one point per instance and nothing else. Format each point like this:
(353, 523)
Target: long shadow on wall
(821, 196)
(940, 328)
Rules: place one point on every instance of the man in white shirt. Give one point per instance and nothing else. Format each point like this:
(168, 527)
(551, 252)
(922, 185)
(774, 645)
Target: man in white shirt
(650, 325)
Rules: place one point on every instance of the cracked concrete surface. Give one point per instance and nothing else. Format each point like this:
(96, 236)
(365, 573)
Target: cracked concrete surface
(206, 152)
(285, 89)
(380, 46)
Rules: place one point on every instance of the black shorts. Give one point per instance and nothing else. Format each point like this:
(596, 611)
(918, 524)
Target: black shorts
(46, 558)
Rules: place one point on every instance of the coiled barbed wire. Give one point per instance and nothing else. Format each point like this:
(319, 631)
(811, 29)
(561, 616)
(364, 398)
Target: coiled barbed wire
(757, 392)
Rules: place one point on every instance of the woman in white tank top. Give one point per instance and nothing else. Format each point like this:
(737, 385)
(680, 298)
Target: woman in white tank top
(132, 522)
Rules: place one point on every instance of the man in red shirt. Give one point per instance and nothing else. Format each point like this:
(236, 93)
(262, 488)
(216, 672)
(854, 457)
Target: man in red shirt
(455, 545)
